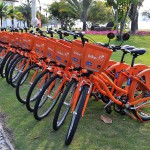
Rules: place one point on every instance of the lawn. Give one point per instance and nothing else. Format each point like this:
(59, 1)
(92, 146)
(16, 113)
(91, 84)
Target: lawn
(92, 134)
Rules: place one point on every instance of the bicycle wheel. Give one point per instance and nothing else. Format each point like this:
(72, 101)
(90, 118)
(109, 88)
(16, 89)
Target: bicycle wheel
(139, 91)
(46, 101)
(25, 81)
(64, 105)
(36, 88)
(76, 115)
(5, 59)
(2, 54)
(17, 69)
(9, 63)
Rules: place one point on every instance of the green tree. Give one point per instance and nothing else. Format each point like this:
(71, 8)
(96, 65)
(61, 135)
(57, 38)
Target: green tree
(121, 10)
(19, 16)
(99, 13)
(82, 9)
(11, 14)
(62, 12)
(3, 9)
(25, 9)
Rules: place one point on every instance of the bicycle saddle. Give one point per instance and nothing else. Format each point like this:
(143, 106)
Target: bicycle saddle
(127, 48)
(138, 51)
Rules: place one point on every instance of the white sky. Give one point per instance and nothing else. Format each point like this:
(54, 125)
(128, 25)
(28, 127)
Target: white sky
(146, 3)
(142, 24)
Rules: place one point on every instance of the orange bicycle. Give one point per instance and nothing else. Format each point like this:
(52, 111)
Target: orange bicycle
(51, 92)
(112, 70)
(36, 62)
(94, 61)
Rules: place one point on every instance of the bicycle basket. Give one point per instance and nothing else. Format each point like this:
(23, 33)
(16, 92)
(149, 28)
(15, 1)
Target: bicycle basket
(76, 53)
(95, 58)
(6, 36)
(27, 41)
(50, 48)
(15, 39)
(63, 51)
(1, 36)
(40, 46)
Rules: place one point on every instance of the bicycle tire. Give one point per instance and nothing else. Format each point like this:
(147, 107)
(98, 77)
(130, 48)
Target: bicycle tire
(142, 110)
(3, 64)
(30, 101)
(76, 115)
(64, 102)
(2, 56)
(9, 63)
(23, 85)
(41, 100)
(14, 77)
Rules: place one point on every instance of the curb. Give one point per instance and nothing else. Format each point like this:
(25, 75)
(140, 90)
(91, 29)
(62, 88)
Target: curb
(4, 142)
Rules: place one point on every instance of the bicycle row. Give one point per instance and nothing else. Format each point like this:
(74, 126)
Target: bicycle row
(48, 70)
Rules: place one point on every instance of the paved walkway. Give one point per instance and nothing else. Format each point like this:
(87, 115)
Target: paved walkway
(4, 142)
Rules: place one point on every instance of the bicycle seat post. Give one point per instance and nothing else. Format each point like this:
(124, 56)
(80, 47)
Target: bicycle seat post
(133, 60)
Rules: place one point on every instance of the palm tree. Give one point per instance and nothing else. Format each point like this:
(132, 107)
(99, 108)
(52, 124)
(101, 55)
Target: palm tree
(19, 17)
(25, 9)
(3, 8)
(11, 14)
(82, 8)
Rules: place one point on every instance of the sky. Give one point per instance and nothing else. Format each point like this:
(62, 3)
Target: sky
(145, 6)
(142, 24)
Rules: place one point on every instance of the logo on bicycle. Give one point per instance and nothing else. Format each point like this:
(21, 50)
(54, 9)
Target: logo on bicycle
(99, 58)
(40, 45)
(63, 54)
(76, 53)
(50, 49)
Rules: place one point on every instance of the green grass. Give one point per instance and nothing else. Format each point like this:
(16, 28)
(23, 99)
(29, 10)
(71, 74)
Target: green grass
(92, 134)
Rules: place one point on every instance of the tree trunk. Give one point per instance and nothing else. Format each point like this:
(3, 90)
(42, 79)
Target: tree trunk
(117, 24)
(24, 23)
(84, 25)
(122, 24)
(62, 24)
(134, 18)
(28, 23)
(134, 24)
(12, 22)
(65, 24)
